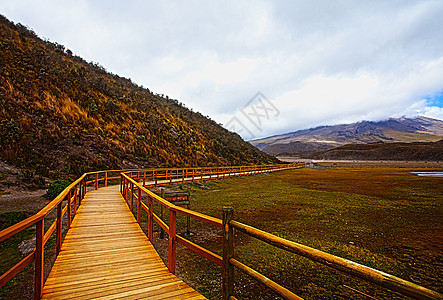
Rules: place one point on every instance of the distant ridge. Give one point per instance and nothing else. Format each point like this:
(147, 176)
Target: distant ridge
(304, 143)
(61, 114)
(418, 151)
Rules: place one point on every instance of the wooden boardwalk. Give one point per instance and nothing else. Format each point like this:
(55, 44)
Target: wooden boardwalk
(106, 255)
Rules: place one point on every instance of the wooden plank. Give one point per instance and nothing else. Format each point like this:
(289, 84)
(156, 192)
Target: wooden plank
(103, 264)
(104, 281)
(102, 276)
(73, 254)
(121, 285)
(90, 286)
(104, 240)
(100, 247)
(103, 234)
(162, 291)
(106, 255)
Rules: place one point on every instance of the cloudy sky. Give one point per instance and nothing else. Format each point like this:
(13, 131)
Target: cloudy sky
(261, 67)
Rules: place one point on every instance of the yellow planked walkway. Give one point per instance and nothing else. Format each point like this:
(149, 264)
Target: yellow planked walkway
(105, 255)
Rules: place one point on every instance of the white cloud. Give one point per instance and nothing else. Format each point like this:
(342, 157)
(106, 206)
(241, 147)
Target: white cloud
(320, 63)
(431, 112)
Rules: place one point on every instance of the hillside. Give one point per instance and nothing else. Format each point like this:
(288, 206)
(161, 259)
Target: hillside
(305, 142)
(62, 115)
(432, 151)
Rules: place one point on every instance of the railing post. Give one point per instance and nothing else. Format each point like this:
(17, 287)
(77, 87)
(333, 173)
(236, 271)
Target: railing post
(132, 196)
(144, 178)
(69, 211)
(124, 188)
(139, 204)
(127, 192)
(228, 253)
(96, 181)
(84, 187)
(188, 219)
(172, 240)
(162, 194)
(80, 190)
(75, 200)
(106, 178)
(59, 227)
(39, 259)
(150, 220)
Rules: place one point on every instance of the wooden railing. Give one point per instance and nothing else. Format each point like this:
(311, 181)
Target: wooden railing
(159, 177)
(72, 197)
(346, 266)
(67, 202)
(135, 183)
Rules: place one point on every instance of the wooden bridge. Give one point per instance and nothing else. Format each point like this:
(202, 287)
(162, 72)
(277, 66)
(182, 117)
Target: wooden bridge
(105, 253)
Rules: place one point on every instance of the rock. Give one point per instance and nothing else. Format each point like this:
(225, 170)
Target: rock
(27, 246)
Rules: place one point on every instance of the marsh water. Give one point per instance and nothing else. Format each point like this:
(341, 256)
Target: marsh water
(428, 174)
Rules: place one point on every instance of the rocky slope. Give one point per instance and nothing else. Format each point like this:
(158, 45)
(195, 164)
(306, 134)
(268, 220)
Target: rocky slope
(306, 142)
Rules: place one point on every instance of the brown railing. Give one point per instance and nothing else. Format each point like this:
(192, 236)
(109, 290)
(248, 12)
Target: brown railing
(346, 266)
(159, 177)
(72, 196)
(134, 184)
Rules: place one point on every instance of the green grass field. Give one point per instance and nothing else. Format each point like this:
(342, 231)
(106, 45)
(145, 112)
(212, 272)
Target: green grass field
(384, 218)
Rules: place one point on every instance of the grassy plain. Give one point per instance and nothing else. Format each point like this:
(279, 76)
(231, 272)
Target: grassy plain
(385, 218)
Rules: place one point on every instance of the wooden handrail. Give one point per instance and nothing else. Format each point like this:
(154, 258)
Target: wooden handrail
(73, 193)
(16, 228)
(284, 292)
(346, 266)
(131, 189)
(201, 251)
(163, 177)
(11, 273)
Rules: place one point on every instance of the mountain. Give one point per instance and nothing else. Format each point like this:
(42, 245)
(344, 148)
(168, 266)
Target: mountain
(62, 115)
(422, 151)
(306, 142)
